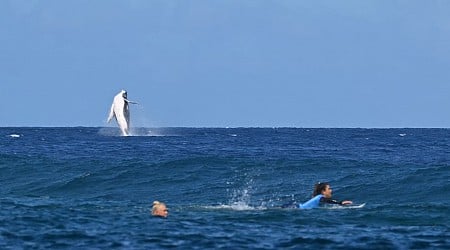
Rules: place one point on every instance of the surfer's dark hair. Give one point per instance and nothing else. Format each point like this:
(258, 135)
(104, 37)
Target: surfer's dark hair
(319, 187)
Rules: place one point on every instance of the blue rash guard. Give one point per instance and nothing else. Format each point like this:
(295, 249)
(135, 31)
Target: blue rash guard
(316, 201)
(313, 203)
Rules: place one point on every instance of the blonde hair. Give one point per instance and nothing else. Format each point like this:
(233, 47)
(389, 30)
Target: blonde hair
(156, 205)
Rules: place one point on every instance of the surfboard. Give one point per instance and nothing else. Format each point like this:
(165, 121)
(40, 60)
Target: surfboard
(356, 206)
(353, 206)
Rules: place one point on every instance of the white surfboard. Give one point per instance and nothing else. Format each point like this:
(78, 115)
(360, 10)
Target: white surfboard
(353, 206)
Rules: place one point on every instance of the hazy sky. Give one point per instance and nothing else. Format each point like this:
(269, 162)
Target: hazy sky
(226, 63)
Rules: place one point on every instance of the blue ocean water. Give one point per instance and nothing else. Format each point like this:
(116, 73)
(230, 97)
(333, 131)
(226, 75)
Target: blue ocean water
(66, 188)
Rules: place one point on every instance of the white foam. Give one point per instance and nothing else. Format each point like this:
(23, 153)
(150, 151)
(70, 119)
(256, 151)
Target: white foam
(109, 131)
(240, 206)
(237, 206)
(14, 135)
(156, 132)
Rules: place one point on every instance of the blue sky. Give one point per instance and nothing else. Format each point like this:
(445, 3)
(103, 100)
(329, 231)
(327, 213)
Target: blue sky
(229, 63)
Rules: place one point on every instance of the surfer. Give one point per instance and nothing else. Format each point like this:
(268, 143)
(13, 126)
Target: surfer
(322, 195)
(159, 209)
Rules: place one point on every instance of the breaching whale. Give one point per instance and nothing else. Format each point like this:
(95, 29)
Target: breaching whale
(120, 110)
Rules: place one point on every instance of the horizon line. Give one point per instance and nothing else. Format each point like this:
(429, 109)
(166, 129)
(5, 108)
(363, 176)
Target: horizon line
(229, 127)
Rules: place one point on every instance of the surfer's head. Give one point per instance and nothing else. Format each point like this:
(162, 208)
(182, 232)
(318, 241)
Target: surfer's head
(322, 188)
(159, 209)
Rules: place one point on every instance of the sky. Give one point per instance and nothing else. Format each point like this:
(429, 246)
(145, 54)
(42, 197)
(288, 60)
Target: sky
(226, 63)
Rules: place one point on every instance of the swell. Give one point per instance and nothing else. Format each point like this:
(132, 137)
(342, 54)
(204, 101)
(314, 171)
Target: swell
(226, 179)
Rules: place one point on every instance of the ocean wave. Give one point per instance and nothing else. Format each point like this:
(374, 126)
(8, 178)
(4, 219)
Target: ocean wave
(81, 187)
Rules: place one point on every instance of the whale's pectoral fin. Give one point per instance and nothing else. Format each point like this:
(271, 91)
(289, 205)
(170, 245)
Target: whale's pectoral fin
(128, 101)
(111, 113)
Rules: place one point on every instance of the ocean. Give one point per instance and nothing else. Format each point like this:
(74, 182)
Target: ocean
(89, 188)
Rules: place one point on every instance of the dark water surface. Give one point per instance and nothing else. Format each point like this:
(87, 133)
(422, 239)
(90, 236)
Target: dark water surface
(88, 188)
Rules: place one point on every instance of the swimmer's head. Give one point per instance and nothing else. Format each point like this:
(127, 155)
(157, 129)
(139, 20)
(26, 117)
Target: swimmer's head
(159, 209)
